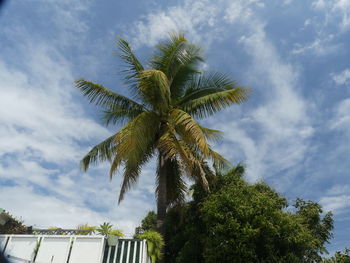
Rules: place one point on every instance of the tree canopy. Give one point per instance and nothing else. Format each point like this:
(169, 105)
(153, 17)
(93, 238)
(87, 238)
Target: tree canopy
(242, 222)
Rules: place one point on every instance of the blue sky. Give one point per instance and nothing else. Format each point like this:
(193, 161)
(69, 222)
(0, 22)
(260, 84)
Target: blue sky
(293, 133)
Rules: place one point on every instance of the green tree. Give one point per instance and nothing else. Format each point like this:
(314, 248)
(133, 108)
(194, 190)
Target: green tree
(339, 257)
(160, 119)
(241, 222)
(149, 223)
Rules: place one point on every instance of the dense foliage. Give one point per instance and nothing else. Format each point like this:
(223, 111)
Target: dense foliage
(241, 222)
(87, 229)
(155, 244)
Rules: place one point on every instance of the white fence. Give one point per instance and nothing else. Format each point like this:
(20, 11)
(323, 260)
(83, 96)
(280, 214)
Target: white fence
(71, 249)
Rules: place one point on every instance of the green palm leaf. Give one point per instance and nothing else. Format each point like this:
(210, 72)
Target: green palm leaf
(119, 115)
(189, 130)
(133, 65)
(209, 104)
(104, 97)
(178, 59)
(135, 139)
(154, 89)
(104, 151)
(208, 93)
(176, 186)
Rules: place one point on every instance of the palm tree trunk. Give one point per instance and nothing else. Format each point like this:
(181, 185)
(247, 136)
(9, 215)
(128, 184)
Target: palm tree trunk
(162, 195)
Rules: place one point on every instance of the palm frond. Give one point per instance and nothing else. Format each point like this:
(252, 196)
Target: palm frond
(154, 89)
(104, 97)
(206, 84)
(132, 172)
(133, 65)
(211, 134)
(176, 186)
(209, 104)
(135, 146)
(184, 75)
(119, 115)
(219, 162)
(178, 59)
(104, 151)
(172, 148)
(135, 139)
(166, 53)
(189, 130)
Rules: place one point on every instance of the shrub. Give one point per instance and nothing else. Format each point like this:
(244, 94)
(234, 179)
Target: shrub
(155, 244)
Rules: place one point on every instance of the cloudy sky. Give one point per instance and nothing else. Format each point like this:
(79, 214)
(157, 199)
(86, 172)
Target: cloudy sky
(293, 133)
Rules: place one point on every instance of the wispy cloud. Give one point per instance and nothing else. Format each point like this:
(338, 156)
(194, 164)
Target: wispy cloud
(200, 20)
(342, 77)
(47, 132)
(341, 119)
(321, 46)
(337, 204)
(337, 11)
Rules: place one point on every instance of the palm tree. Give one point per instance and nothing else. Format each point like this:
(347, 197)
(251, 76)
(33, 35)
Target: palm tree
(159, 121)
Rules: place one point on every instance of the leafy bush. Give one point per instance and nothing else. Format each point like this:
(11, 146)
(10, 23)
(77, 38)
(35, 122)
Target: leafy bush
(117, 232)
(85, 227)
(105, 228)
(13, 226)
(242, 222)
(155, 244)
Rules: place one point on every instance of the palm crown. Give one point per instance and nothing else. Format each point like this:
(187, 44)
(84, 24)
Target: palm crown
(168, 97)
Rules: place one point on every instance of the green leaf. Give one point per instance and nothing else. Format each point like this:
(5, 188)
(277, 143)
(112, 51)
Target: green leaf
(104, 97)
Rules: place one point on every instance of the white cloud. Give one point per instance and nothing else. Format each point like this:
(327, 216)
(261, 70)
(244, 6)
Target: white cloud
(46, 131)
(336, 204)
(335, 11)
(342, 77)
(321, 46)
(339, 189)
(200, 20)
(280, 122)
(341, 119)
(190, 18)
(37, 112)
(319, 4)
